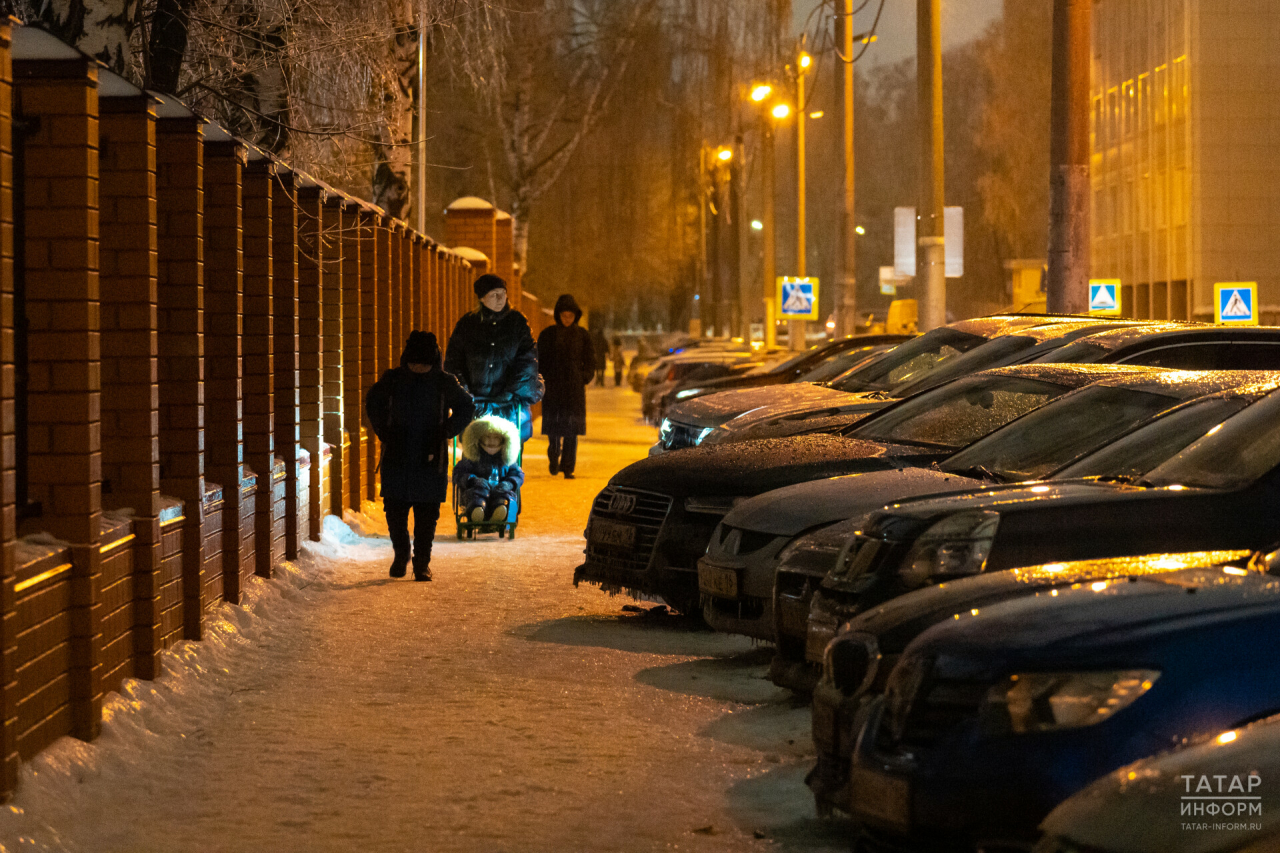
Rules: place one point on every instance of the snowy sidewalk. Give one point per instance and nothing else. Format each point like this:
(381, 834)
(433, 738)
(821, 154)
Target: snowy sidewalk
(495, 709)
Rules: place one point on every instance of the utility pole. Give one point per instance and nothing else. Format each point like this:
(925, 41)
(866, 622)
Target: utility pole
(931, 282)
(734, 302)
(767, 234)
(1067, 287)
(700, 286)
(847, 304)
(420, 127)
(796, 328)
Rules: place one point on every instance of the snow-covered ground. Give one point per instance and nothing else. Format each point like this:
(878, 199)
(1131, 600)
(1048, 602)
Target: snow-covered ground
(495, 709)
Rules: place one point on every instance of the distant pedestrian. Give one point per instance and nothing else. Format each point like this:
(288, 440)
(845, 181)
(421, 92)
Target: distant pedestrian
(492, 353)
(600, 349)
(619, 360)
(488, 473)
(567, 364)
(414, 410)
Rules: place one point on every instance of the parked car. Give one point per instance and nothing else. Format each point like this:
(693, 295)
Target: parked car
(787, 367)
(1025, 702)
(814, 591)
(687, 423)
(1218, 493)
(697, 364)
(1034, 446)
(1181, 346)
(653, 521)
(1223, 788)
(857, 662)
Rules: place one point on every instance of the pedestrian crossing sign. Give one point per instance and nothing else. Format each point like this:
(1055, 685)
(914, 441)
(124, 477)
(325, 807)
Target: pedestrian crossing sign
(1104, 297)
(1235, 303)
(797, 298)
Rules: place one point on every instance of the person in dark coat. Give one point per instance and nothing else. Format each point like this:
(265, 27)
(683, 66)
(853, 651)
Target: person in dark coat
(414, 410)
(492, 353)
(618, 359)
(600, 349)
(488, 472)
(568, 365)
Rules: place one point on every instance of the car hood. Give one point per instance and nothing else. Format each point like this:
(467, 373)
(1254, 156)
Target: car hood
(994, 498)
(793, 509)
(822, 401)
(752, 467)
(1087, 619)
(1128, 810)
(917, 610)
(715, 409)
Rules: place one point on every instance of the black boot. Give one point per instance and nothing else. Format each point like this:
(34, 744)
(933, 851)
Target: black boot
(398, 566)
(421, 571)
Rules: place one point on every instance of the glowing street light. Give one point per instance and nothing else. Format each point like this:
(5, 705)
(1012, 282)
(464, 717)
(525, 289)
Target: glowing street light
(805, 60)
(724, 153)
(781, 111)
(757, 225)
(760, 92)
(817, 114)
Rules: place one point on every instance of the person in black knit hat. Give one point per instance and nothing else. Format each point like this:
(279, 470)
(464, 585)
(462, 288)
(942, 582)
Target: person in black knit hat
(491, 351)
(414, 410)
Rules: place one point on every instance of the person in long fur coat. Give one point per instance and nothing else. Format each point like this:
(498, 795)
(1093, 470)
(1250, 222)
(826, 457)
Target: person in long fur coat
(487, 472)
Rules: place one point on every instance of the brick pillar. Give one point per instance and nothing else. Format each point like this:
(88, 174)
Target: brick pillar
(353, 347)
(435, 319)
(8, 516)
(471, 221)
(180, 206)
(407, 302)
(333, 403)
(259, 353)
(384, 294)
(224, 362)
(284, 232)
(371, 322)
(311, 344)
(395, 288)
(130, 338)
(60, 300)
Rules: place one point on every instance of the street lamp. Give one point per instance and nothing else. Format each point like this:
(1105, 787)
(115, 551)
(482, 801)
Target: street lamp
(796, 328)
(710, 161)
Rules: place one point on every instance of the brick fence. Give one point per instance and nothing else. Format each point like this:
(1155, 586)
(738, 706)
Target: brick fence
(188, 326)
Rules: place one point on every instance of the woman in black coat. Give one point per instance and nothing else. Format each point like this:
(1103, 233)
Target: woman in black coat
(568, 364)
(414, 410)
(492, 353)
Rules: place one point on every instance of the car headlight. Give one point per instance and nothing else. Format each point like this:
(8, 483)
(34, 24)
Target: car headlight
(687, 393)
(850, 661)
(664, 431)
(1043, 701)
(955, 547)
(702, 435)
(814, 553)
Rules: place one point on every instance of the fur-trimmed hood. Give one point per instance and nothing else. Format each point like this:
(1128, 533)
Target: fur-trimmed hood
(489, 425)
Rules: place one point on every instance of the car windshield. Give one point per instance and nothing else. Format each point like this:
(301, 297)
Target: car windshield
(1079, 352)
(839, 364)
(958, 414)
(1057, 435)
(909, 361)
(996, 352)
(780, 364)
(1143, 449)
(1242, 450)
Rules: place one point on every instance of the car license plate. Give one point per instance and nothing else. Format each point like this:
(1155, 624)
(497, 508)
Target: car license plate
(880, 797)
(722, 583)
(604, 532)
(824, 726)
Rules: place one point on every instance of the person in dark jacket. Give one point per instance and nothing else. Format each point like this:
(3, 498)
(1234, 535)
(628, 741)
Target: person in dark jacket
(618, 359)
(600, 349)
(568, 365)
(492, 353)
(414, 410)
(488, 472)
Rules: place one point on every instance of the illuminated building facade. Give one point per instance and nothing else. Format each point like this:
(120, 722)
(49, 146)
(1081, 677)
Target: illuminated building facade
(1186, 152)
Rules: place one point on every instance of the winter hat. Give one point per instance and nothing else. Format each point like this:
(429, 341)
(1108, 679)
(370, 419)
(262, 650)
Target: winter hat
(478, 429)
(566, 302)
(421, 348)
(488, 282)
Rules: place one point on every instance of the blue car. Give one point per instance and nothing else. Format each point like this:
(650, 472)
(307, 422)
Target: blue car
(993, 717)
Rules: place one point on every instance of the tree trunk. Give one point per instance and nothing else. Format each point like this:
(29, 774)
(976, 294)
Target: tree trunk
(170, 28)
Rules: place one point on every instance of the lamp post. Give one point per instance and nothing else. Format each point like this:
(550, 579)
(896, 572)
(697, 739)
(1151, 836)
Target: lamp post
(796, 328)
(760, 93)
(710, 163)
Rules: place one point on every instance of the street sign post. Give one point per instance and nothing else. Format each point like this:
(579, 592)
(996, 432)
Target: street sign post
(1235, 303)
(797, 298)
(1104, 297)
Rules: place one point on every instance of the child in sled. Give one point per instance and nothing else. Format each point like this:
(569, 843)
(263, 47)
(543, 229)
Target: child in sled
(487, 473)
